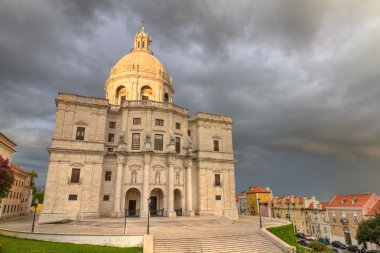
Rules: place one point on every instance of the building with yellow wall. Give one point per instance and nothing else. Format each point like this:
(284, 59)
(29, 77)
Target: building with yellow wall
(294, 209)
(265, 195)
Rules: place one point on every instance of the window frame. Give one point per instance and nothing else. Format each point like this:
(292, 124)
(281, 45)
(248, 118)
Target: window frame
(108, 175)
(81, 131)
(75, 177)
(136, 121)
(73, 197)
(178, 126)
(158, 143)
(217, 179)
(135, 145)
(178, 145)
(159, 122)
(111, 137)
(216, 145)
(112, 125)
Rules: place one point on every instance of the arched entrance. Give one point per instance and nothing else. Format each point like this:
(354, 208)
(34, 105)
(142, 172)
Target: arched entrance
(132, 202)
(156, 202)
(178, 202)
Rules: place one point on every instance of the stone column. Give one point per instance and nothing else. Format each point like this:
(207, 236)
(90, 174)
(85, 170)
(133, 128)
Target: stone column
(189, 190)
(170, 193)
(146, 188)
(119, 177)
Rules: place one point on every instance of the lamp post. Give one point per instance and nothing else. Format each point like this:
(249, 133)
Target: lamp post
(149, 201)
(125, 220)
(288, 210)
(261, 225)
(35, 211)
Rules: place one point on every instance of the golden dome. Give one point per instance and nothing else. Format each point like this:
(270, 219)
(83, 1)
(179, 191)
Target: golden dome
(135, 72)
(142, 63)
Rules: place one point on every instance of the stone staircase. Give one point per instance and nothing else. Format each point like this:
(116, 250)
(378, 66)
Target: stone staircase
(249, 243)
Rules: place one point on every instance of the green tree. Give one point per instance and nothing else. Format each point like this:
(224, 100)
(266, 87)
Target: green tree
(369, 231)
(6, 177)
(38, 194)
(33, 174)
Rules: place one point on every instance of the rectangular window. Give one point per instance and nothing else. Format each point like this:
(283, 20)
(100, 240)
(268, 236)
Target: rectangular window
(136, 121)
(80, 133)
(110, 149)
(217, 179)
(159, 122)
(73, 197)
(218, 197)
(145, 98)
(178, 126)
(158, 142)
(135, 141)
(344, 214)
(177, 145)
(75, 175)
(333, 216)
(111, 138)
(106, 197)
(355, 216)
(188, 133)
(108, 176)
(112, 125)
(216, 145)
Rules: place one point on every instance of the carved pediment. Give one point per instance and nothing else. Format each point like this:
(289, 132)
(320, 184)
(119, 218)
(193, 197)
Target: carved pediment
(76, 164)
(217, 171)
(81, 123)
(134, 166)
(158, 167)
(178, 168)
(216, 137)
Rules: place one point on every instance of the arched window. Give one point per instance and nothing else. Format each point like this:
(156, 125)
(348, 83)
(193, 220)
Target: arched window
(146, 93)
(121, 94)
(166, 98)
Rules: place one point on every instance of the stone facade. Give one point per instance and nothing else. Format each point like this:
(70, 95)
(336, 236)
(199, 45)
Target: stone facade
(7, 147)
(115, 155)
(241, 203)
(345, 213)
(317, 220)
(294, 209)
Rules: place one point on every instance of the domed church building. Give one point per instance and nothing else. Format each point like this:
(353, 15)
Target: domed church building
(136, 152)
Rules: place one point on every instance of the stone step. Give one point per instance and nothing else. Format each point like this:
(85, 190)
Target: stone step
(223, 244)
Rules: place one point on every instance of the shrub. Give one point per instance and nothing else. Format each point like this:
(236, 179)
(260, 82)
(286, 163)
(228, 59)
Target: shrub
(1, 248)
(319, 247)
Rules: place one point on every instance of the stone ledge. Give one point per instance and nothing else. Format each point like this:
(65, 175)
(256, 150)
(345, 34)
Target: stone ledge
(280, 243)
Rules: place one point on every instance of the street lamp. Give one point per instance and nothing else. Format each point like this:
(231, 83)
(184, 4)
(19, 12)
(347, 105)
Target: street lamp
(261, 225)
(35, 210)
(149, 201)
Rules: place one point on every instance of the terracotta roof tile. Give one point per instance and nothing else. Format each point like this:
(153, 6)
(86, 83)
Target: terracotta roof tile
(357, 200)
(324, 204)
(375, 209)
(18, 168)
(257, 189)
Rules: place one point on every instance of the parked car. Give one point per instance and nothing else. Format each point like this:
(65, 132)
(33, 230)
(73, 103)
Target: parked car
(338, 244)
(353, 248)
(373, 251)
(310, 237)
(324, 240)
(300, 235)
(304, 243)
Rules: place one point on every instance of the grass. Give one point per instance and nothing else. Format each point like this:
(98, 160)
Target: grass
(17, 245)
(286, 233)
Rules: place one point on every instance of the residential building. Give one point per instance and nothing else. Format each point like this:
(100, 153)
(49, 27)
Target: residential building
(137, 151)
(7, 147)
(317, 220)
(256, 193)
(19, 198)
(241, 203)
(345, 213)
(294, 209)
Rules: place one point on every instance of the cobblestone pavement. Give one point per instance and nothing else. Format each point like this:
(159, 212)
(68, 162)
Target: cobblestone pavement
(160, 227)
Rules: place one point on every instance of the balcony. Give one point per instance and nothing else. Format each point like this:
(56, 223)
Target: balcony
(150, 103)
(74, 180)
(344, 221)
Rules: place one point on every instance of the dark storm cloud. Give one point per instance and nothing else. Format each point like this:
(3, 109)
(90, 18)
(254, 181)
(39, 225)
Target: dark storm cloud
(300, 78)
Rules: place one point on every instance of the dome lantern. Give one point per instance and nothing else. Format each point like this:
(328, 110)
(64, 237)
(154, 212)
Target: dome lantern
(142, 40)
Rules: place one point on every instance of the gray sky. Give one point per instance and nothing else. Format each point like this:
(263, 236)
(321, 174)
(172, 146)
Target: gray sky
(300, 78)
